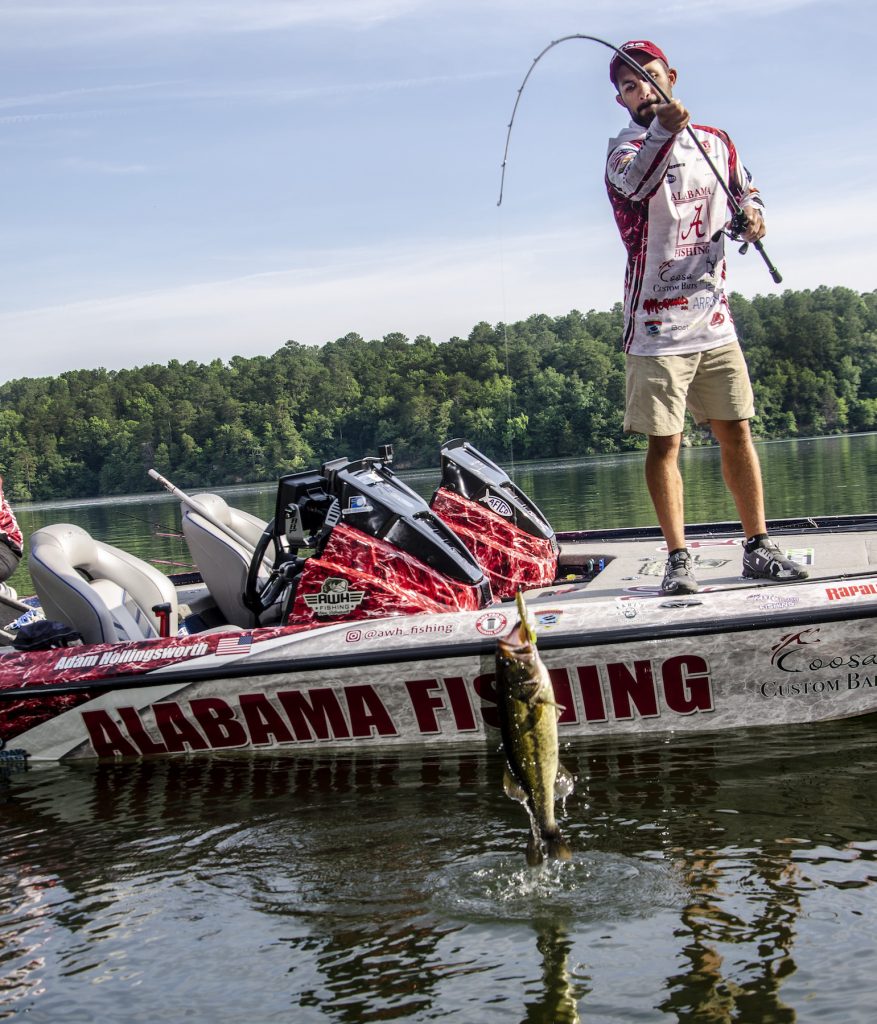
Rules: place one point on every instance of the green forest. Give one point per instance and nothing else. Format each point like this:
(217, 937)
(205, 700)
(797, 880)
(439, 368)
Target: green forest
(546, 387)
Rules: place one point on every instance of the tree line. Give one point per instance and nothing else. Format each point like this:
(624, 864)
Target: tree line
(545, 387)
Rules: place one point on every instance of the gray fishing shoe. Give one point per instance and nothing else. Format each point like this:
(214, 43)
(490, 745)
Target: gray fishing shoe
(678, 577)
(767, 562)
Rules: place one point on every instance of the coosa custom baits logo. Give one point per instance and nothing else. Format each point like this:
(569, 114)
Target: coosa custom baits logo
(335, 598)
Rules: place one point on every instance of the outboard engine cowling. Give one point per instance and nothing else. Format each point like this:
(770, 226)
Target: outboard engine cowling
(379, 549)
(509, 537)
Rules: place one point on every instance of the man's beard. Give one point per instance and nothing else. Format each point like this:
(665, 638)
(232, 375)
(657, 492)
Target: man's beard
(644, 116)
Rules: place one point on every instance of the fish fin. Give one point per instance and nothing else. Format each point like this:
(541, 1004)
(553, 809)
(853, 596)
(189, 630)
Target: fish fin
(512, 787)
(564, 783)
(557, 848)
(535, 854)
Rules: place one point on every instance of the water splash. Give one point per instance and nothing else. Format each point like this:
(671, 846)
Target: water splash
(592, 886)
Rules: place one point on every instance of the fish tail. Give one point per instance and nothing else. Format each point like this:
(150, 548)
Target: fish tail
(556, 846)
(535, 854)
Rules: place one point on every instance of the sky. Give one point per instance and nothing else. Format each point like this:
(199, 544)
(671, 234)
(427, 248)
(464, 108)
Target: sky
(198, 179)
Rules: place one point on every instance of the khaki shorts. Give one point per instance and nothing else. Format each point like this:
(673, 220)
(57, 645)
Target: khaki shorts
(713, 385)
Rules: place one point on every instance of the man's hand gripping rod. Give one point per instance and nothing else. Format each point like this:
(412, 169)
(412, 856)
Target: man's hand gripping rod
(738, 217)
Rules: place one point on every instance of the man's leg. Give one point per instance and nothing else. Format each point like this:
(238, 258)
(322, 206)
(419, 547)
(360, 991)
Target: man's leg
(664, 482)
(741, 471)
(762, 559)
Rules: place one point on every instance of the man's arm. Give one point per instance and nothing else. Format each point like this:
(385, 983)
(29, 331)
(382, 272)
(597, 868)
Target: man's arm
(636, 171)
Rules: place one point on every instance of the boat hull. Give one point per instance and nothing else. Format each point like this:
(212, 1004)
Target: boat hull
(627, 665)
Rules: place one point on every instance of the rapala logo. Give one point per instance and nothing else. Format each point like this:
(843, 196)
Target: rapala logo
(502, 508)
(335, 598)
(853, 590)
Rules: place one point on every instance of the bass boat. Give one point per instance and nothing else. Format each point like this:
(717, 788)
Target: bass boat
(363, 616)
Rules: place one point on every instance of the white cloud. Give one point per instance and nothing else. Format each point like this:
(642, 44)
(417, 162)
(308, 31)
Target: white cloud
(433, 289)
(52, 24)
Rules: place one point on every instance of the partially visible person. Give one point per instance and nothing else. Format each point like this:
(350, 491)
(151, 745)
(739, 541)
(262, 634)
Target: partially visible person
(679, 337)
(11, 542)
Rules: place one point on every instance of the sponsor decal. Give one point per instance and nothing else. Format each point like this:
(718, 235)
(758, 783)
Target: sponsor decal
(548, 618)
(803, 556)
(665, 273)
(681, 602)
(355, 636)
(651, 566)
(621, 691)
(628, 607)
(771, 601)
(335, 598)
(653, 306)
(796, 653)
(693, 545)
(491, 624)
(790, 645)
(502, 508)
(653, 326)
(671, 178)
(853, 590)
(717, 320)
(357, 503)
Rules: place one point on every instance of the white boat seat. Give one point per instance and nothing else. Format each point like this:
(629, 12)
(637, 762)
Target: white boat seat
(104, 593)
(222, 560)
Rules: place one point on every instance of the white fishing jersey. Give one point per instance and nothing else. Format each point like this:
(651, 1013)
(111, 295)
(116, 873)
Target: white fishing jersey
(668, 205)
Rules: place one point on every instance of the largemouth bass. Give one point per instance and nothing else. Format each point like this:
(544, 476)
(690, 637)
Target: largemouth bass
(528, 716)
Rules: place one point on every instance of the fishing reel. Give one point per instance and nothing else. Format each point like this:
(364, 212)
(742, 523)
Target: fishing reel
(735, 231)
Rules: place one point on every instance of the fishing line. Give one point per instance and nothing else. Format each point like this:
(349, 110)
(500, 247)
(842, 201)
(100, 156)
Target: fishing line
(732, 201)
(505, 338)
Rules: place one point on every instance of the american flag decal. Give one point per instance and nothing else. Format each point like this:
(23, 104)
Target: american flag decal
(235, 644)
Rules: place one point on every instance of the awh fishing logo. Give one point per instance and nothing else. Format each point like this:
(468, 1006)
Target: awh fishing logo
(335, 598)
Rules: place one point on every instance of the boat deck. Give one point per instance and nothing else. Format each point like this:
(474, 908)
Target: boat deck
(634, 563)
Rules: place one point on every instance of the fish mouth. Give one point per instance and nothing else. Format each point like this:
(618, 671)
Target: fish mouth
(516, 640)
(515, 648)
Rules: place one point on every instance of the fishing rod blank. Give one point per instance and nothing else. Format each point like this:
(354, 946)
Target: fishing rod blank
(738, 218)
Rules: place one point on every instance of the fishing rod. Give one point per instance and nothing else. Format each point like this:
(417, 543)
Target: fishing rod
(738, 219)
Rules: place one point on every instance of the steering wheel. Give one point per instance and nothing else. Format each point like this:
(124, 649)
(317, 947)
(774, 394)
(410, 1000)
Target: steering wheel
(260, 595)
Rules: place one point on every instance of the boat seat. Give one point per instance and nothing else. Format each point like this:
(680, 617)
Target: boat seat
(104, 593)
(222, 560)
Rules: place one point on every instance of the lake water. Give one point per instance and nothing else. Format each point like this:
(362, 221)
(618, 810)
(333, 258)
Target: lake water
(715, 878)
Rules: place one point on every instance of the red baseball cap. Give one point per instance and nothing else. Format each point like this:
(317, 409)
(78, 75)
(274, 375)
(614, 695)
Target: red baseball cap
(633, 47)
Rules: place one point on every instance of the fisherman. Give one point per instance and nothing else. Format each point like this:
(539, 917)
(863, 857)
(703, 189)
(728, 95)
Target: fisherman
(10, 543)
(679, 338)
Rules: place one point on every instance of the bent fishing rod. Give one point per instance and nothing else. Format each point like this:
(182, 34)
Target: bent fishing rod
(738, 220)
